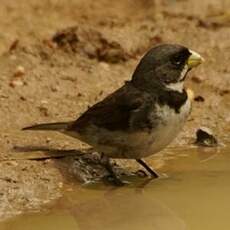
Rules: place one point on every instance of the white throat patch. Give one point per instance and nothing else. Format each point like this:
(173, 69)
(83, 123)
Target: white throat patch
(179, 86)
(184, 72)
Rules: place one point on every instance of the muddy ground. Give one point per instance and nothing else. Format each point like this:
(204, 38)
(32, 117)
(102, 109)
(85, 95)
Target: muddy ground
(59, 57)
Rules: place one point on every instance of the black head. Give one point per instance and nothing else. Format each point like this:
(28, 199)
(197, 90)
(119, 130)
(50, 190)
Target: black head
(165, 65)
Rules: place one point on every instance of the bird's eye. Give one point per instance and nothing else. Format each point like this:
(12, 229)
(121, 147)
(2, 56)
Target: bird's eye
(177, 61)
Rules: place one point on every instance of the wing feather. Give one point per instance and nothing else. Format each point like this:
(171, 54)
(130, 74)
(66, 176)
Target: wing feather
(114, 112)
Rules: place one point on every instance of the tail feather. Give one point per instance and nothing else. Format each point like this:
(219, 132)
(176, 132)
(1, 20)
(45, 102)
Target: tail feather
(59, 126)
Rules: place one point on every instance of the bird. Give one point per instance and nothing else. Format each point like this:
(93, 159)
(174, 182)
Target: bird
(144, 115)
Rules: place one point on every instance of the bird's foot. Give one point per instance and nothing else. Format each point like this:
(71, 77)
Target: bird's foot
(112, 176)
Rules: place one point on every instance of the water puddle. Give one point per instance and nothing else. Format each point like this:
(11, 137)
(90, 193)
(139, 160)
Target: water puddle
(194, 196)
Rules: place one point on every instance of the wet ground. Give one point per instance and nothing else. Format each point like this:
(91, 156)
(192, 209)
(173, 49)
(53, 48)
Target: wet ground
(192, 193)
(56, 59)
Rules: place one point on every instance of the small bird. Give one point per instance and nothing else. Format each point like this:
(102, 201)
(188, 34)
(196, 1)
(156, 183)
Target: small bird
(144, 115)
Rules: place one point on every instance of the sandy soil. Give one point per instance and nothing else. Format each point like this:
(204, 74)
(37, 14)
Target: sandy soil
(59, 57)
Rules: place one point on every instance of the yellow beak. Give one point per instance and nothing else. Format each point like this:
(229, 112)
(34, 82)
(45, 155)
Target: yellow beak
(194, 59)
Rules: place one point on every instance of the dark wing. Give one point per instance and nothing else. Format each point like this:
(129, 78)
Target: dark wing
(118, 111)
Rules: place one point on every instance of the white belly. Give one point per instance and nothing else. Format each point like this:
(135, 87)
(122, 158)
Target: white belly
(118, 144)
(145, 144)
(169, 128)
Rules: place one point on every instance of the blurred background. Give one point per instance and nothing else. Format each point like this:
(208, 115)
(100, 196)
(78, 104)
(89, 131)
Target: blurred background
(59, 57)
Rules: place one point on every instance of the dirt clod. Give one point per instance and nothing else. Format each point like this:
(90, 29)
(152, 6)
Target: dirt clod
(14, 45)
(20, 71)
(91, 43)
(199, 99)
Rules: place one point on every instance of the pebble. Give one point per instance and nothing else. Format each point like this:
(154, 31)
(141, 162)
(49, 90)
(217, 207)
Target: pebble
(17, 77)
(105, 66)
(55, 88)
(205, 137)
(12, 163)
(48, 140)
(199, 99)
(16, 82)
(196, 79)
(44, 110)
(60, 184)
(44, 102)
(20, 71)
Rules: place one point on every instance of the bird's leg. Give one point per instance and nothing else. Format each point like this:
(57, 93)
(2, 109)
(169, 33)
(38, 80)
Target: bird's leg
(143, 164)
(106, 162)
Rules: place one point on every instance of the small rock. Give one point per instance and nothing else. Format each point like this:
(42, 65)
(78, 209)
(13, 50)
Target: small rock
(16, 82)
(224, 92)
(14, 45)
(44, 102)
(199, 99)
(12, 163)
(60, 184)
(8, 179)
(22, 98)
(204, 137)
(20, 71)
(55, 88)
(105, 66)
(48, 140)
(196, 79)
(44, 111)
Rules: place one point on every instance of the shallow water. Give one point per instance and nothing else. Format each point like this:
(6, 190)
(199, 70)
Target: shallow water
(194, 195)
